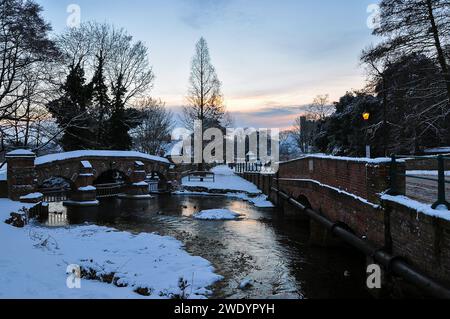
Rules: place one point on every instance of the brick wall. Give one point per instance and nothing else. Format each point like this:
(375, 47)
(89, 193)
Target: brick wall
(364, 219)
(21, 176)
(69, 169)
(424, 241)
(3, 189)
(363, 179)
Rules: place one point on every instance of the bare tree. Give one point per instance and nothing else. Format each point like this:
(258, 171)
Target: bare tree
(157, 123)
(123, 57)
(204, 97)
(321, 107)
(24, 44)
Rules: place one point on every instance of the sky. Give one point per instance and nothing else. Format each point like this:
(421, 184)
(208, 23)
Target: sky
(272, 57)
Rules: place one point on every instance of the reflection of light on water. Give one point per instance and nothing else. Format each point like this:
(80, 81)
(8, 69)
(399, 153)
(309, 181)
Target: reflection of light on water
(57, 216)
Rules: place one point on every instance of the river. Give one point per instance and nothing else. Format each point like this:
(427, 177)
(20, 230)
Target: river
(272, 252)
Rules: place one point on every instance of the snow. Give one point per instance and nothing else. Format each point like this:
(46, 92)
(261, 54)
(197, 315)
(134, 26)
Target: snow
(86, 164)
(77, 154)
(217, 214)
(223, 170)
(21, 153)
(87, 189)
(260, 201)
(232, 185)
(438, 150)
(225, 179)
(32, 196)
(4, 173)
(140, 184)
(380, 160)
(34, 261)
(442, 212)
(246, 283)
(426, 173)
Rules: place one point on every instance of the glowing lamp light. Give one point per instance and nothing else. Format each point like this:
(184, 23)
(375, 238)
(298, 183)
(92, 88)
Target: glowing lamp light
(366, 116)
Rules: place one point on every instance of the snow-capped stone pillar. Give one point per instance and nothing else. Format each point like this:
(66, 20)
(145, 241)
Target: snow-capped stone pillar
(138, 188)
(21, 173)
(84, 193)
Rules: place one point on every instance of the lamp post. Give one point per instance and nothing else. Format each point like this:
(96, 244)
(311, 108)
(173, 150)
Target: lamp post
(366, 118)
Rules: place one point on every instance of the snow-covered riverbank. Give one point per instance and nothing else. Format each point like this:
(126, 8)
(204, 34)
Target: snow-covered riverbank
(227, 183)
(34, 261)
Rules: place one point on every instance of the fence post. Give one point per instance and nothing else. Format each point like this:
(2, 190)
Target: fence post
(441, 185)
(393, 177)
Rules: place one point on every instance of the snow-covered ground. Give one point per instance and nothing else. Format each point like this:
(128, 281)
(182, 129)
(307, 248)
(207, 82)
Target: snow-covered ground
(34, 261)
(217, 214)
(426, 173)
(225, 179)
(232, 185)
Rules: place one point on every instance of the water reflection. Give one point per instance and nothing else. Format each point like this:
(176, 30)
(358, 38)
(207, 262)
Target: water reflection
(270, 251)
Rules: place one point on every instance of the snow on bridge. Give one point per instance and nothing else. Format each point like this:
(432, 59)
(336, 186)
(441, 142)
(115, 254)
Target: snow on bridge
(86, 154)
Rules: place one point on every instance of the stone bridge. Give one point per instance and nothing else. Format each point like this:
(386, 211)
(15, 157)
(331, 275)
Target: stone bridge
(81, 169)
(350, 192)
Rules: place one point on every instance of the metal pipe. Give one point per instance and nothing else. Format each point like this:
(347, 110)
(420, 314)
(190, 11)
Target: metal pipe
(396, 265)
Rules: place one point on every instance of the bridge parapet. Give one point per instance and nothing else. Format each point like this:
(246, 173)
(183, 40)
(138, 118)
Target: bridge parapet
(21, 173)
(366, 178)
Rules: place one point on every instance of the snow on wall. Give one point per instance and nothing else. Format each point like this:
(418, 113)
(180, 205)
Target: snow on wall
(380, 160)
(419, 207)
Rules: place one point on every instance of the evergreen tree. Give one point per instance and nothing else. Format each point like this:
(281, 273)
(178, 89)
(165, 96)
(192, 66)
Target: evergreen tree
(118, 136)
(101, 104)
(71, 111)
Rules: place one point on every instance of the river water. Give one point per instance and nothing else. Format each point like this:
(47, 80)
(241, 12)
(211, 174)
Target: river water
(272, 252)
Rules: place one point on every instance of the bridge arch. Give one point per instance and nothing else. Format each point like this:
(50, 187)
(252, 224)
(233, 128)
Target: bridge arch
(111, 176)
(82, 168)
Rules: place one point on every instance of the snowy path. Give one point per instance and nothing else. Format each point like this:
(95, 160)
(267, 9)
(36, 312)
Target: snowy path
(229, 184)
(34, 260)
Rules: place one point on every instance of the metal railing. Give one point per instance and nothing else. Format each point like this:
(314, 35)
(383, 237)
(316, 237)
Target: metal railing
(153, 185)
(440, 180)
(392, 263)
(248, 167)
(55, 195)
(109, 190)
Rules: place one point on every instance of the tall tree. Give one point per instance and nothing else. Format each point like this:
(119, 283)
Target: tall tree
(119, 137)
(344, 132)
(71, 111)
(204, 97)
(25, 49)
(417, 26)
(101, 104)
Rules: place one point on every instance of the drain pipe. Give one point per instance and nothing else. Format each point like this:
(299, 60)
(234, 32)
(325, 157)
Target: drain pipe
(393, 264)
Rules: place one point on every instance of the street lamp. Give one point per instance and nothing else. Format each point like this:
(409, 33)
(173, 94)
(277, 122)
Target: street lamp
(366, 118)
